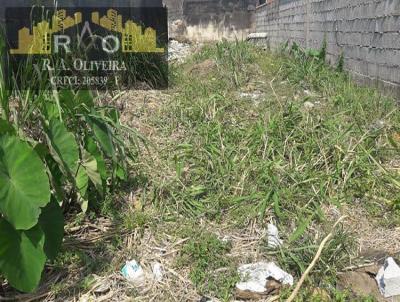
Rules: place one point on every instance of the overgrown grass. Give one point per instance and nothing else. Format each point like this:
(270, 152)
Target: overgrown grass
(236, 153)
(212, 271)
(259, 137)
(312, 139)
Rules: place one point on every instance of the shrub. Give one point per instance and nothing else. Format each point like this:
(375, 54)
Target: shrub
(56, 149)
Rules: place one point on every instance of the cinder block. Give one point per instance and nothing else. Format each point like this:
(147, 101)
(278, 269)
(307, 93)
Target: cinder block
(390, 57)
(392, 23)
(392, 7)
(391, 40)
(379, 25)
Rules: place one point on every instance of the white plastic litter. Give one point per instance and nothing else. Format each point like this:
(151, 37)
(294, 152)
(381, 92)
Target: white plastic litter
(388, 278)
(254, 276)
(157, 270)
(273, 236)
(254, 96)
(134, 273)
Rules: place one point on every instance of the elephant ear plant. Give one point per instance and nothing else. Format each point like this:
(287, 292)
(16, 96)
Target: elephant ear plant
(56, 149)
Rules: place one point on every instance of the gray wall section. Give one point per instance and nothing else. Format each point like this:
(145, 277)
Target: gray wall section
(367, 32)
(210, 19)
(175, 9)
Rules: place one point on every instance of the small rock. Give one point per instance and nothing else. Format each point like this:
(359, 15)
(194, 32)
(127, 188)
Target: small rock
(360, 283)
(273, 236)
(388, 278)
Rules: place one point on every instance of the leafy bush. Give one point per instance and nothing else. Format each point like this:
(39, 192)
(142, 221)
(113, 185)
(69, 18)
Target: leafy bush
(56, 150)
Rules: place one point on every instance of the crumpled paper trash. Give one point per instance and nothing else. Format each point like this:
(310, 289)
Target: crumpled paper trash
(256, 278)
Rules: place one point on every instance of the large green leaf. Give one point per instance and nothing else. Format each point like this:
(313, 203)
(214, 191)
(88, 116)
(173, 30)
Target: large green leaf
(82, 100)
(51, 111)
(5, 127)
(92, 148)
(24, 185)
(109, 114)
(52, 223)
(56, 178)
(82, 183)
(90, 165)
(103, 134)
(84, 97)
(22, 257)
(67, 99)
(64, 148)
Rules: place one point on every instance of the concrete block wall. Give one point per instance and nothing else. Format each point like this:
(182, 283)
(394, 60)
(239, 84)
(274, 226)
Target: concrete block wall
(366, 32)
(206, 20)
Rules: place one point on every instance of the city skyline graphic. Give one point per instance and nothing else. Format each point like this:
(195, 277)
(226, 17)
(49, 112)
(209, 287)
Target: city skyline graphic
(39, 43)
(134, 38)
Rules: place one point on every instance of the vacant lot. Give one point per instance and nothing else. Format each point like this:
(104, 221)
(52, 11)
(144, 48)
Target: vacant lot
(243, 137)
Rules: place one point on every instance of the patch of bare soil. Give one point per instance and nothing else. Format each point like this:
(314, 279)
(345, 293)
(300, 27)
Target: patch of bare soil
(374, 240)
(203, 68)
